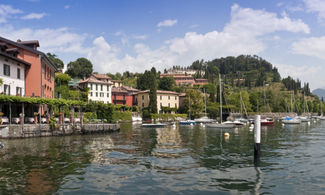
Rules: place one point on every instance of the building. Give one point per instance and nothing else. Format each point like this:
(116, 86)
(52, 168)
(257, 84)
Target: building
(180, 79)
(185, 71)
(100, 88)
(201, 81)
(12, 71)
(117, 83)
(124, 95)
(164, 99)
(39, 77)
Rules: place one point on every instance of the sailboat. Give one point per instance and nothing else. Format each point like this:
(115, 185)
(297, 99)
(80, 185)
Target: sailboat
(204, 119)
(221, 125)
(289, 120)
(304, 118)
(321, 117)
(189, 121)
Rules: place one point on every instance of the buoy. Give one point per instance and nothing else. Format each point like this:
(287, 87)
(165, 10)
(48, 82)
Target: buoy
(226, 135)
(1, 145)
(191, 124)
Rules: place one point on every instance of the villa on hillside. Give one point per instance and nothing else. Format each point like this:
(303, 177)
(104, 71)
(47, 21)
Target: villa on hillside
(182, 79)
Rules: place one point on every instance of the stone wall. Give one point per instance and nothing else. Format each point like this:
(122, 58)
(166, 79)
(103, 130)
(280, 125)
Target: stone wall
(42, 130)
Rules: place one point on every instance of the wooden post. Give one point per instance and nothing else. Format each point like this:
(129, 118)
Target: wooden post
(22, 118)
(257, 136)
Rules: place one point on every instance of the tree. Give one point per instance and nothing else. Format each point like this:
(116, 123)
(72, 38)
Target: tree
(193, 103)
(144, 81)
(81, 68)
(211, 90)
(153, 92)
(61, 86)
(166, 83)
(1, 81)
(58, 63)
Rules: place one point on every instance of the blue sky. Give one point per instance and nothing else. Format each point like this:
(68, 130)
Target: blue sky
(119, 35)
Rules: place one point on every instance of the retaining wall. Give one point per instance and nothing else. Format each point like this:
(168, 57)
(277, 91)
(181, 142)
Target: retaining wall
(42, 130)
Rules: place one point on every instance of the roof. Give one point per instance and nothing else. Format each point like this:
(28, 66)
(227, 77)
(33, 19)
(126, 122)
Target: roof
(130, 89)
(201, 80)
(14, 58)
(101, 76)
(160, 92)
(28, 49)
(182, 94)
(92, 79)
(118, 90)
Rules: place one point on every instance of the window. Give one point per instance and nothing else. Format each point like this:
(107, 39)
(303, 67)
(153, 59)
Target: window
(91, 86)
(18, 91)
(6, 89)
(107, 88)
(18, 73)
(101, 87)
(175, 105)
(91, 94)
(175, 97)
(160, 97)
(142, 105)
(168, 104)
(123, 97)
(168, 97)
(107, 94)
(96, 94)
(142, 97)
(160, 105)
(6, 70)
(96, 87)
(101, 94)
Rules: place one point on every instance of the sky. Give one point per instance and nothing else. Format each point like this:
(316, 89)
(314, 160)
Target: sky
(135, 35)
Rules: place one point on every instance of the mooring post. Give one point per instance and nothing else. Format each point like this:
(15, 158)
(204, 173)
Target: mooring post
(257, 136)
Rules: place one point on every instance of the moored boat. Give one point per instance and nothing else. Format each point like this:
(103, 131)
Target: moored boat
(154, 125)
(289, 120)
(187, 122)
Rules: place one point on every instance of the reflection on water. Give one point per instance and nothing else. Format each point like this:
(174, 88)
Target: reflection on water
(179, 159)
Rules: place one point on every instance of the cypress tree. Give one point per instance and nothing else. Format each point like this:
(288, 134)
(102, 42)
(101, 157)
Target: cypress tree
(153, 92)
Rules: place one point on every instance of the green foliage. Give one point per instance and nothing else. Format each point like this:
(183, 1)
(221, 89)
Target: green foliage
(213, 110)
(56, 61)
(193, 103)
(144, 80)
(211, 90)
(37, 100)
(146, 113)
(125, 116)
(1, 81)
(166, 83)
(168, 109)
(81, 68)
(52, 123)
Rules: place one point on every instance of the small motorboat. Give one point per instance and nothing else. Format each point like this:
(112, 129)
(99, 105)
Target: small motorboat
(204, 120)
(303, 118)
(156, 125)
(187, 122)
(289, 120)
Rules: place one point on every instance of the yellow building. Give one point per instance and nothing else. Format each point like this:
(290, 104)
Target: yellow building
(164, 99)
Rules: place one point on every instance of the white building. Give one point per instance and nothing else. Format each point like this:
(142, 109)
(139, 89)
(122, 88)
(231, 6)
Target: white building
(12, 72)
(100, 88)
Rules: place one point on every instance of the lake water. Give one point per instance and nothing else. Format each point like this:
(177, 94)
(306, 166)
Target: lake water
(187, 160)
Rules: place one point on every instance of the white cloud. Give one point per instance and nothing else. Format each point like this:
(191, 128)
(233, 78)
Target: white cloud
(66, 6)
(242, 35)
(314, 46)
(140, 37)
(167, 23)
(297, 71)
(32, 16)
(317, 6)
(51, 40)
(6, 11)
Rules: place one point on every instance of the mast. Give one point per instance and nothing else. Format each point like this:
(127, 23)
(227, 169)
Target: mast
(220, 95)
(304, 104)
(205, 102)
(291, 110)
(189, 107)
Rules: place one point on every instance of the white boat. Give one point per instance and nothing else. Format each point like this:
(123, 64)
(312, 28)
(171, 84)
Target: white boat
(221, 126)
(289, 120)
(303, 118)
(204, 119)
(187, 122)
(235, 122)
